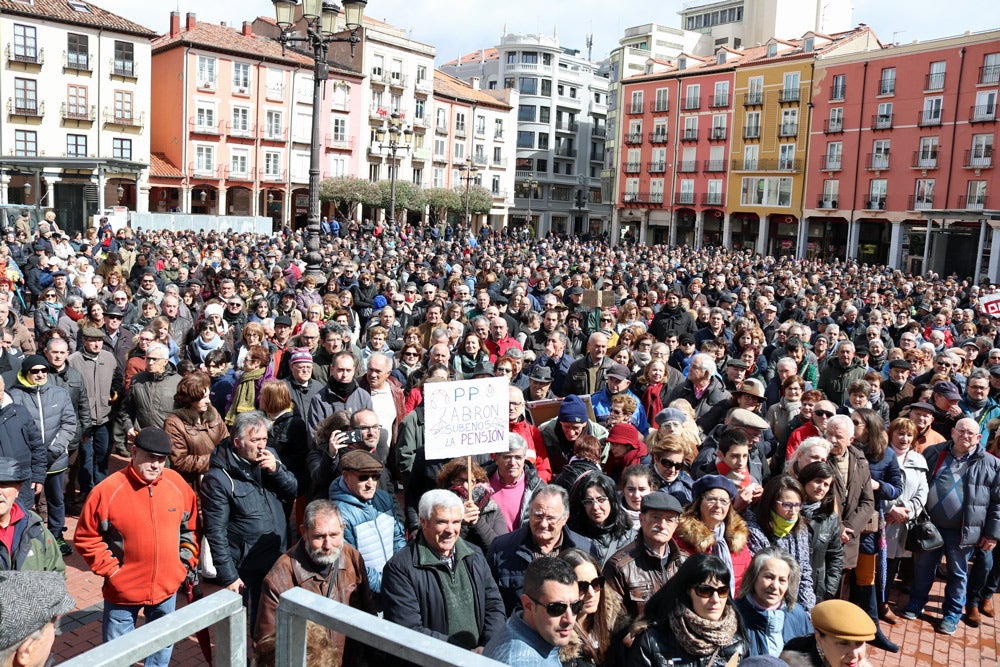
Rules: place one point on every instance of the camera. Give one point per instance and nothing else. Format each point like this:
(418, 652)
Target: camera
(354, 437)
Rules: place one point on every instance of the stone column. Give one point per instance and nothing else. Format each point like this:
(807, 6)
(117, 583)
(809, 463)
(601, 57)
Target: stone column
(672, 239)
(995, 256)
(699, 229)
(762, 230)
(803, 238)
(896, 245)
(727, 231)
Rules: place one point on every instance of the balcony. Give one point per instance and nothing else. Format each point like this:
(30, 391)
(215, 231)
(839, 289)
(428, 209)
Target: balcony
(397, 80)
(689, 135)
(882, 121)
(692, 103)
(25, 108)
(196, 127)
(887, 87)
(832, 163)
(630, 198)
(978, 159)
(126, 69)
(790, 95)
(833, 126)
(480, 160)
(634, 109)
(25, 56)
(568, 127)
(924, 160)
(934, 81)
(600, 131)
(657, 137)
(499, 163)
(929, 118)
(877, 161)
(984, 113)
(78, 113)
(720, 101)
(633, 167)
(460, 131)
(687, 166)
(597, 156)
(338, 142)
(876, 204)
(711, 199)
(789, 130)
(827, 202)
(76, 62)
(754, 99)
(441, 128)
(751, 132)
(717, 134)
(837, 93)
(684, 198)
(633, 138)
(715, 165)
(975, 202)
(989, 75)
(662, 106)
(914, 203)
(657, 166)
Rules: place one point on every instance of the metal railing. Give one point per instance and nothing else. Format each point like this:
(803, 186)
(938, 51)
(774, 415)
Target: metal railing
(297, 606)
(222, 611)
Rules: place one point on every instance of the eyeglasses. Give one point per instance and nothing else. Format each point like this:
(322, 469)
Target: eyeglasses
(789, 506)
(597, 584)
(515, 404)
(545, 518)
(823, 413)
(599, 500)
(722, 502)
(39, 371)
(557, 609)
(704, 591)
(369, 427)
(398, 303)
(673, 465)
(410, 354)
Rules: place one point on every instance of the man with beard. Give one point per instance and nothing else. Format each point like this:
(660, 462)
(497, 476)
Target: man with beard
(672, 317)
(320, 562)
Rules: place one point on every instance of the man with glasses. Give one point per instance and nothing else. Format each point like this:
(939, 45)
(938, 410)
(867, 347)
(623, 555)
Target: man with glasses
(816, 426)
(551, 603)
(150, 397)
(387, 395)
(545, 535)
(146, 289)
(518, 424)
(51, 408)
(438, 584)
(636, 571)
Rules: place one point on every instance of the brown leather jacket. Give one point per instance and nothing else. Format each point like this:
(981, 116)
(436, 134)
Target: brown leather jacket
(635, 574)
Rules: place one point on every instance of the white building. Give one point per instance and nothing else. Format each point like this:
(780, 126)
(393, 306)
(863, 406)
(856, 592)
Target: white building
(75, 89)
(744, 23)
(561, 130)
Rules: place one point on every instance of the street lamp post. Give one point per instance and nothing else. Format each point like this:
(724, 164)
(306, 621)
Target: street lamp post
(531, 183)
(470, 172)
(320, 30)
(388, 137)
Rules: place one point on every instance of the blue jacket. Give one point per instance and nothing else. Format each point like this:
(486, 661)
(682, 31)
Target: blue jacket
(981, 517)
(517, 644)
(759, 625)
(371, 527)
(990, 411)
(601, 402)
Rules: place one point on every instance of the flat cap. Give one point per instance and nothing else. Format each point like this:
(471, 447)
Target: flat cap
(153, 440)
(948, 390)
(923, 405)
(92, 332)
(358, 460)
(900, 363)
(736, 362)
(995, 370)
(283, 320)
(619, 371)
(747, 419)
(843, 620)
(660, 501)
(28, 600)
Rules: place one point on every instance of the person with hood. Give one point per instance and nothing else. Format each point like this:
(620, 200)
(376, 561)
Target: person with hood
(51, 408)
(626, 449)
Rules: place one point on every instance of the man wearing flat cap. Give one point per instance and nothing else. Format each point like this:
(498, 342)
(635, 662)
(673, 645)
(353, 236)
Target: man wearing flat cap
(25, 542)
(104, 383)
(137, 530)
(618, 379)
(840, 633)
(30, 604)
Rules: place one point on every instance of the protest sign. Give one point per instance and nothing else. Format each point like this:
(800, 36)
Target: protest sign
(465, 418)
(991, 304)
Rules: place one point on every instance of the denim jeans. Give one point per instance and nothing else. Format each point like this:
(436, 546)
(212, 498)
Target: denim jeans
(119, 619)
(55, 502)
(94, 455)
(984, 577)
(957, 559)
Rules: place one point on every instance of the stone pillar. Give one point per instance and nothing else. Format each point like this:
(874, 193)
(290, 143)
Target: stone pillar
(614, 234)
(852, 239)
(727, 231)
(220, 202)
(699, 229)
(803, 238)
(672, 239)
(4, 189)
(644, 227)
(101, 182)
(994, 269)
(762, 230)
(896, 245)
(184, 201)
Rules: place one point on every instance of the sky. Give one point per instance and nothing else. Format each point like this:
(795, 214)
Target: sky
(475, 24)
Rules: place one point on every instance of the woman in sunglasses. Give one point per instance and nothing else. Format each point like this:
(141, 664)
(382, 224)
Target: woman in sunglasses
(767, 605)
(671, 469)
(775, 521)
(601, 623)
(594, 512)
(691, 620)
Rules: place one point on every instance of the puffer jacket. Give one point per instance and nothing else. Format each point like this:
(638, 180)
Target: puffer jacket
(243, 515)
(103, 381)
(826, 553)
(34, 548)
(52, 409)
(795, 543)
(151, 397)
(193, 438)
(370, 527)
(635, 574)
(834, 379)
(981, 516)
(71, 380)
(20, 439)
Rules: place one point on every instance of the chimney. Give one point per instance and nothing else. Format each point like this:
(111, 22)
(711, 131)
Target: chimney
(175, 24)
(247, 29)
(192, 21)
(476, 83)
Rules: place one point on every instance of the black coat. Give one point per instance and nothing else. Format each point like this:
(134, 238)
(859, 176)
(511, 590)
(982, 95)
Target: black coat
(827, 554)
(20, 439)
(657, 647)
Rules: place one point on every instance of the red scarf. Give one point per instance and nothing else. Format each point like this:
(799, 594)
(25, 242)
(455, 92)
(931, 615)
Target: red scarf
(724, 470)
(651, 399)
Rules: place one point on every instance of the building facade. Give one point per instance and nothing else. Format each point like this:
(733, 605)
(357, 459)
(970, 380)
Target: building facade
(749, 23)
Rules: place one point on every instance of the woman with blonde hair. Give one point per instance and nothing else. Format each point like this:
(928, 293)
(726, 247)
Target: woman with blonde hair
(670, 468)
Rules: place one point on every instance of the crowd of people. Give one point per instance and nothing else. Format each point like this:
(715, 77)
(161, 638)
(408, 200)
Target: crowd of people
(748, 458)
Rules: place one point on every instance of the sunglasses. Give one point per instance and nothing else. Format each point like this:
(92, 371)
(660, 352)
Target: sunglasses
(705, 591)
(557, 609)
(368, 477)
(823, 413)
(39, 371)
(596, 584)
(673, 465)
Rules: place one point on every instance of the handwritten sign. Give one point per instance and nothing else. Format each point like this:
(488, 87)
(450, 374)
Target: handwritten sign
(465, 418)
(991, 304)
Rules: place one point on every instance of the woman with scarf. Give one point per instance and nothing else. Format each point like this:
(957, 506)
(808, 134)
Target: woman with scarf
(595, 513)
(712, 526)
(826, 551)
(601, 624)
(775, 521)
(670, 468)
(767, 602)
(781, 414)
(48, 310)
(252, 376)
(470, 355)
(652, 387)
(691, 621)
(207, 340)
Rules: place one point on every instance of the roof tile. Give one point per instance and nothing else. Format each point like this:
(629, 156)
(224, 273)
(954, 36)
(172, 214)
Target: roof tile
(61, 11)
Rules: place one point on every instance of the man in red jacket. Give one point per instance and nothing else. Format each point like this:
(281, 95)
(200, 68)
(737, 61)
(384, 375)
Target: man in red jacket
(128, 534)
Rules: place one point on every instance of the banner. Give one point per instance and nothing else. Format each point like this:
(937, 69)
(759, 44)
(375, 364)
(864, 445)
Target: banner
(991, 304)
(465, 418)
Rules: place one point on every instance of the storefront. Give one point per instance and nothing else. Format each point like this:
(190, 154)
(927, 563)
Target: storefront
(783, 233)
(745, 228)
(714, 221)
(873, 241)
(827, 238)
(684, 218)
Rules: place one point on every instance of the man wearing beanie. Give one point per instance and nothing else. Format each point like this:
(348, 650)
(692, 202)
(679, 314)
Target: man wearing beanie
(561, 432)
(137, 530)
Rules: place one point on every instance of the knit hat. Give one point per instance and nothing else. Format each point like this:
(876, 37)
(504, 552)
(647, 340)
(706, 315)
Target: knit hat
(624, 434)
(29, 599)
(213, 309)
(709, 482)
(379, 302)
(33, 360)
(573, 410)
(299, 354)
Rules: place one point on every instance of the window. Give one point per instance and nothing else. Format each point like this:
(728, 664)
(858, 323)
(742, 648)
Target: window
(480, 126)
(718, 127)
(498, 128)
(25, 143)
(526, 113)
(981, 154)
(418, 176)
(275, 84)
(789, 122)
(438, 177)
(239, 162)
(525, 139)
(834, 155)
(123, 106)
(808, 44)
(690, 128)
(691, 96)
(77, 51)
(439, 148)
(378, 66)
(124, 59)
(877, 190)
(750, 157)
(927, 155)
(752, 125)
(272, 125)
(418, 109)
(544, 114)
(660, 130)
(655, 191)
(241, 120)
(714, 192)
(543, 140)
(772, 50)
(205, 118)
(25, 43)
(755, 90)
(512, 58)
(241, 78)
(339, 129)
(497, 155)
(839, 87)
(76, 145)
(686, 194)
(528, 85)
(631, 189)
(659, 162)
(831, 193)
(883, 119)
(836, 121)
(977, 195)
(887, 82)
(935, 77)
(397, 71)
(495, 186)
(121, 149)
(204, 159)
(76, 101)
(880, 154)
(721, 96)
(790, 90)
(636, 102)
(931, 114)
(766, 192)
(529, 58)
(990, 71)
(421, 73)
(923, 195)
(546, 87)
(272, 164)
(786, 157)
(459, 151)
(26, 96)
(206, 72)
(986, 106)
(662, 100)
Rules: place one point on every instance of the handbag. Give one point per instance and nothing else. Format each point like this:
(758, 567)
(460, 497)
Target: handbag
(922, 535)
